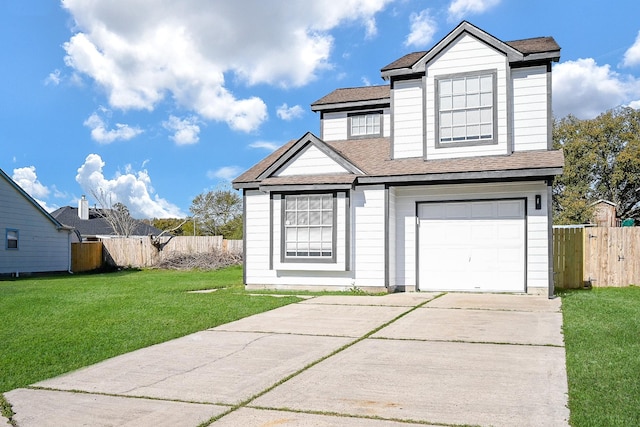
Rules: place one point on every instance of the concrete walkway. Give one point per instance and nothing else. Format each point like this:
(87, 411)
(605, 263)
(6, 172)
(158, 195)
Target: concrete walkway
(394, 360)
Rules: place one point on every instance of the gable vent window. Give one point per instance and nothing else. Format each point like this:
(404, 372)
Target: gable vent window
(363, 125)
(466, 109)
(12, 239)
(309, 226)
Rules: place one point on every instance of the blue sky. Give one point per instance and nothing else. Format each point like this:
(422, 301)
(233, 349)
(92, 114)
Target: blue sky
(157, 101)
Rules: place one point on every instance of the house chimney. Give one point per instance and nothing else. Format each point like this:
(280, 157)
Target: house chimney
(83, 208)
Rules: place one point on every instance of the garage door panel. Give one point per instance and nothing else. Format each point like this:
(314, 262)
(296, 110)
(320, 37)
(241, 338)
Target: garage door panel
(483, 210)
(457, 211)
(509, 230)
(443, 232)
(510, 209)
(441, 259)
(484, 250)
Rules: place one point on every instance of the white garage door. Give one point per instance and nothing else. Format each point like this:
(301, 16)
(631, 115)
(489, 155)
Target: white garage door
(472, 246)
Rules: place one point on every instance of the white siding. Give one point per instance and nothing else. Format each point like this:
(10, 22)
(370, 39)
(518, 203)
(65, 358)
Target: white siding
(311, 161)
(408, 116)
(530, 108)
(41, 246)
(368, 236)
(467, 54)
(391, 238)
(259, 246)
(335, 126)
(537, 241)
(256, 238)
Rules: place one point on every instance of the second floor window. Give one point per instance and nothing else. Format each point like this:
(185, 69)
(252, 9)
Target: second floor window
(466, 108)
(365, 124)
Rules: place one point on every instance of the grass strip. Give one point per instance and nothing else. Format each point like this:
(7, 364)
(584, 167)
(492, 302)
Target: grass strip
(6, 410)
(602, 341)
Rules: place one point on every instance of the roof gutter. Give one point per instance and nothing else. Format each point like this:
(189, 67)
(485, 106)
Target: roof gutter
(460, 176)
(377, 103)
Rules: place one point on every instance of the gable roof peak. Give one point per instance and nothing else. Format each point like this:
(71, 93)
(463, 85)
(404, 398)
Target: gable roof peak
(31, 200)
(537, 48)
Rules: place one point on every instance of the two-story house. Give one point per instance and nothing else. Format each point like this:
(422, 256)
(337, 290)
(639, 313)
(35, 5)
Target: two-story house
(439, 180)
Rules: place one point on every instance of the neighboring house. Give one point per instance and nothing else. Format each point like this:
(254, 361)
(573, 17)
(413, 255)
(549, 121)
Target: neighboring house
(440, 180)
(33, 241)
(604, 214)
(91, 225)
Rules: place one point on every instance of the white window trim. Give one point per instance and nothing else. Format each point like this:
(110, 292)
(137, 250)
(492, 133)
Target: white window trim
(284, 258)
(494, 110)
(364, 114)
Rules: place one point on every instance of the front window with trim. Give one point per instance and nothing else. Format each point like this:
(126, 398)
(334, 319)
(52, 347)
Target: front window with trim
(309, 226)
(367, 124)
(466, 109)
(11, 239)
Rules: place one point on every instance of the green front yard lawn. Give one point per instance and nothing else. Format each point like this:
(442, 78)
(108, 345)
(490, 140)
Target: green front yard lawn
(52, 325)
(602, 341)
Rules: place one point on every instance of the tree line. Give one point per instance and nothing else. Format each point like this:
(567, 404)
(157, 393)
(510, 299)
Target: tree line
(602, 161)
(216, 212)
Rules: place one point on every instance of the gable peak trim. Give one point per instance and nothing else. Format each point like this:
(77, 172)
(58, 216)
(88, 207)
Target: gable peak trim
(301, 144)
(419, 59)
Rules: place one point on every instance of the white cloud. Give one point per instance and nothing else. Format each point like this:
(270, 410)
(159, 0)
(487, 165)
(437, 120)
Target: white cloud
(632, 55)
(132, 188)
(143, 52)
(461, 8)
(289, 113)
(101, 134)
(423, 27)
(271, 146)
(27, 179)
(585, 89)
(53, 78)
(186, 131)
(370, 28)
(226, 173)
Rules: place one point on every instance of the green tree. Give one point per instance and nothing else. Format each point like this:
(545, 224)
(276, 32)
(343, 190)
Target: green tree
(218, 212)
(602, 161)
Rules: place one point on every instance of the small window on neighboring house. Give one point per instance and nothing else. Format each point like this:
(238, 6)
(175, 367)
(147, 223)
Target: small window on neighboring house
(12, 239)
(309, 222)
(466, 110)
(365, 124)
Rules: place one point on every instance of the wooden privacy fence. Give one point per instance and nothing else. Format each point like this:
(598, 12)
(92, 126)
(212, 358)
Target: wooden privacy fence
(86, 256)
(596, 256)
(140, 252)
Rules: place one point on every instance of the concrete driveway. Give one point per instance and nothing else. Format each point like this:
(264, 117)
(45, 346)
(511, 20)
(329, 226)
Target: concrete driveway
(394, 360)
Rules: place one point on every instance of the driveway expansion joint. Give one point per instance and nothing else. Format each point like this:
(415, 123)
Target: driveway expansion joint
(246, 402)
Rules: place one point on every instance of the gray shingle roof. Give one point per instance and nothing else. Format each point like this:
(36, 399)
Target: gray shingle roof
(406, 61)
(96, 225)
(355, 94)
(524, 46)
(535, 45)
(372, 156)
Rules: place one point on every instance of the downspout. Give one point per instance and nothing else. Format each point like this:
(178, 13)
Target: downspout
(69, 250)
(69, 230)
(550, 237)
